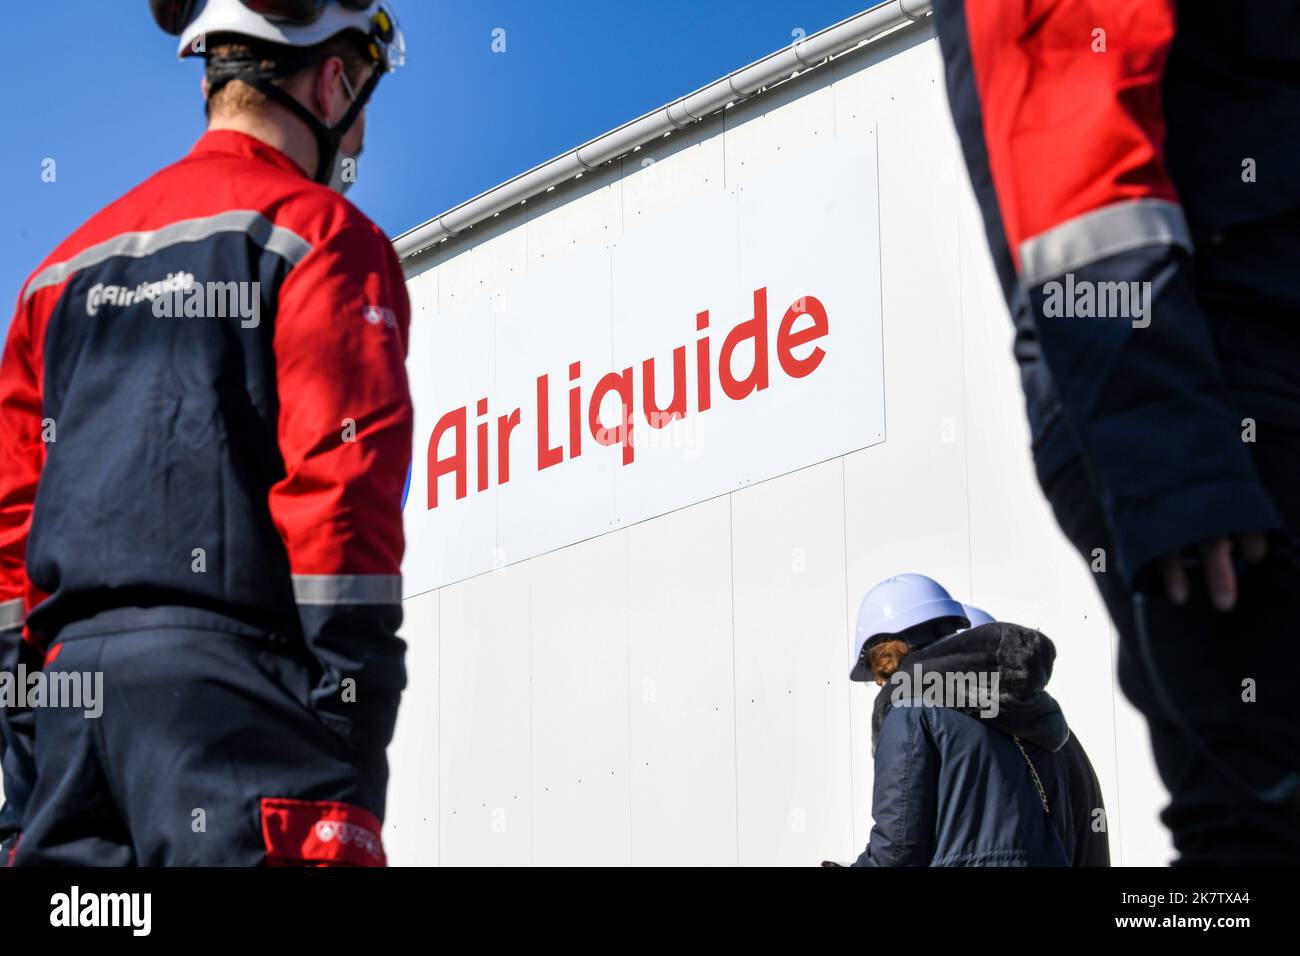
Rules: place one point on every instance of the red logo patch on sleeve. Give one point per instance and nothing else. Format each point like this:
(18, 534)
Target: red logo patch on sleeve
(320, 833)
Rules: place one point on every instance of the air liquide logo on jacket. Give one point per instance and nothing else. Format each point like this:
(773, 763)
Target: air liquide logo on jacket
(379, 315)
(180, 296)
(120, 296)
(344, 832)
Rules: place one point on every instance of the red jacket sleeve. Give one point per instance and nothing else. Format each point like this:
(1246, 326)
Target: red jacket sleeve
(22, 454)
(1070, 94)
(345, 436)
(1058, 104)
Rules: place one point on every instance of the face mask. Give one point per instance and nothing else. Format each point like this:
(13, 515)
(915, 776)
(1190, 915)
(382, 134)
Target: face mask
(344, 173)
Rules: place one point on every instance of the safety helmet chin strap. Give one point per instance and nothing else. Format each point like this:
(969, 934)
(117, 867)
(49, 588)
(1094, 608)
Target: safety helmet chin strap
(250, 70)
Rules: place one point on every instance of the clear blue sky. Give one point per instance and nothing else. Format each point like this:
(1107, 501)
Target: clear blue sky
(98, 89)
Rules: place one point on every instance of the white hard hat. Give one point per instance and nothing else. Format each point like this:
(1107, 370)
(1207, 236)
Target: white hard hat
(978, 616)
(296, 26)
(895, 605)
(295, 23)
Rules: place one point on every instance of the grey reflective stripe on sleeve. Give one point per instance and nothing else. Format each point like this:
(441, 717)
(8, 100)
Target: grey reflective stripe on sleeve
(11, 614)
(347, 588)
(1100, 233)
(277, 239)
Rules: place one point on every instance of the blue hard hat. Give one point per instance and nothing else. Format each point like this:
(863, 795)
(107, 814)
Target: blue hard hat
(894, 605)
(978, 616)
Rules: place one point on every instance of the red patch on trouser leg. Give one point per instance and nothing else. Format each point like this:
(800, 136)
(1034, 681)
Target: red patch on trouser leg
(320, 833)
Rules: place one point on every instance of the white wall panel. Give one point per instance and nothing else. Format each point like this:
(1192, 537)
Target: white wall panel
(422, 282)
(489, 256)
(583, 214)
(915, 483)
(581, 708)
(1141, 840)
(671, 173)
(683, 742)
(485, 728)
(765, 133)
(411, 821)
(792, 695)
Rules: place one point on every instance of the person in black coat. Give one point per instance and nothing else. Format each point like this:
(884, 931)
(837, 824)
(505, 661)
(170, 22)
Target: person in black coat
(975, 764)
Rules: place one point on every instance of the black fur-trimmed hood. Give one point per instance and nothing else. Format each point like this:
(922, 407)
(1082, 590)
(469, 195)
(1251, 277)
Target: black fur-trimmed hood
(1022, 659)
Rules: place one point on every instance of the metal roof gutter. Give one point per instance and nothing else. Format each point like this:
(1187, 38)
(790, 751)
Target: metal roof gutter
(743, 83)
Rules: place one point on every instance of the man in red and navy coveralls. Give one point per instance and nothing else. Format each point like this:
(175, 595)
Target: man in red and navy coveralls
(1145, 152)
(205, 428)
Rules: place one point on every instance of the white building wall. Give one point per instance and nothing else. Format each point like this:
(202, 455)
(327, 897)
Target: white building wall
(675, 691)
